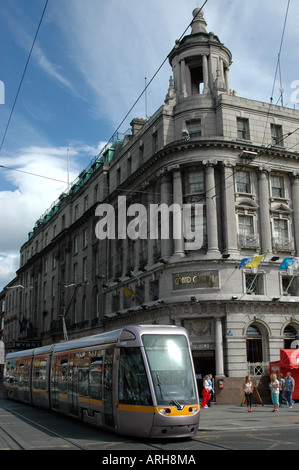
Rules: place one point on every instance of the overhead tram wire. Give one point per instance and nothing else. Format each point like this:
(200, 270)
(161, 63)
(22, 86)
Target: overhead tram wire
(159, 68)
(148, 84)
(277, 66)
(144, 90)
(23, 75)
(127, 114)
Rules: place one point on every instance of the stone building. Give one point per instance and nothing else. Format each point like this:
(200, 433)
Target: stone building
(230, 165)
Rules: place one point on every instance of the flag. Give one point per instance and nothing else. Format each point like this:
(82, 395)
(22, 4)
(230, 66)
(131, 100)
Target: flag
(251, 262)
(129, 292)
(289, 262)
(286, 263)
(23, 324)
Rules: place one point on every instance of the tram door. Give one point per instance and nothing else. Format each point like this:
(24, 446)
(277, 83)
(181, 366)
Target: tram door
(73, 384)
(107, 388)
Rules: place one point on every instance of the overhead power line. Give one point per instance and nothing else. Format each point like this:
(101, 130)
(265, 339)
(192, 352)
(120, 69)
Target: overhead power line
(23, 75)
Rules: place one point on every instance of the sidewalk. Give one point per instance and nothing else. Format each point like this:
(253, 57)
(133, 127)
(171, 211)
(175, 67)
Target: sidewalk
(233, 417)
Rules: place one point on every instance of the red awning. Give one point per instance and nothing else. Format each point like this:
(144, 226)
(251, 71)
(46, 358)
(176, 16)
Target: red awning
(289, 358)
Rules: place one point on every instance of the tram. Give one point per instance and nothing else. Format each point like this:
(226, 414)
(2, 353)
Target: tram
(137, 381)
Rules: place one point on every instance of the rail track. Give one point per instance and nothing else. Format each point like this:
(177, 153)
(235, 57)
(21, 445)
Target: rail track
(17, 434)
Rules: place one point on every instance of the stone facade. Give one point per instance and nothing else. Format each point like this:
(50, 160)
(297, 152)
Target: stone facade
(233, 157)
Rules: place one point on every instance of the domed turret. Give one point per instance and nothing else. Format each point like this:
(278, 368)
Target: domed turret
(200, 62)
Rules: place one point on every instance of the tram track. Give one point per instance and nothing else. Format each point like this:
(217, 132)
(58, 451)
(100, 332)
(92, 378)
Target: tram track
(11, 443)
(74, 445)
(9, 440)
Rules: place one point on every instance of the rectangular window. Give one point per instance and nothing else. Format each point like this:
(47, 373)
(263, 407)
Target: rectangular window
(280, 230)
(289, 285)
(85, 238)
(243, 182)
(95, 377)
(194, 128)
(253, 284)
(196, 182)
(85, 270)
(85, 203)
(276, 135)
(40, 374)
(76, 272)
(76, 244)
(277, 189)
(246, 225)
(242, 129)
(133, 384)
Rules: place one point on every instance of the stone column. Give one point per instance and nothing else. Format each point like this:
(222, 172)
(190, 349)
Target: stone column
(219, 348)
(166, 198)
(227, 80)
(178, 218)
(265, 226)
(150, 241)
(205, 71)
(183, 79)
(228, 210)
(211, 211)
(295, 206)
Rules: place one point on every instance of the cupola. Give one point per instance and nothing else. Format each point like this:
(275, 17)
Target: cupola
(200, 62)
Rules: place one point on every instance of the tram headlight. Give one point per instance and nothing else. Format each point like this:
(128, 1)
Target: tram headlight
(164, 411)
(193, 409)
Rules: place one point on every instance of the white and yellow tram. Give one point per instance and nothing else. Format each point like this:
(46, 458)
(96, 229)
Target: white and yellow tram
(138, 380)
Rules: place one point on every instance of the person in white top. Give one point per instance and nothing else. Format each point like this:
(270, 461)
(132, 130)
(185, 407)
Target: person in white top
(248, 391)
(274, 386)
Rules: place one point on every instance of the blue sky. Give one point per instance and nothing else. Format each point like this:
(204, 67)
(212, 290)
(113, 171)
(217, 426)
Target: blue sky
(87, 68)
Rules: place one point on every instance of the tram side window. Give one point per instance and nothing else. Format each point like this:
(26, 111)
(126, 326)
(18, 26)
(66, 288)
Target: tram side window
(83, 376)
(25, 374)
(95, 378)
(133, 384)
(39, 374)
(8, 372)
(21, 374)
(62, 378)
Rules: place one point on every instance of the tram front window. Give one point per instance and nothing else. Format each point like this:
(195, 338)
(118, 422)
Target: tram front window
(171, 369)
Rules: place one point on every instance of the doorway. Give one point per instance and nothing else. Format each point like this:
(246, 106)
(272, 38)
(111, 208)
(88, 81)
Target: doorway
(204, 364)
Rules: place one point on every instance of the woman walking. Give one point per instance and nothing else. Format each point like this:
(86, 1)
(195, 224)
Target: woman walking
(248, 391)
(205, 392)
(274, 386)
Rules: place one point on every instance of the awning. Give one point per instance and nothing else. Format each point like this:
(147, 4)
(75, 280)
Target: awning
(289, 358)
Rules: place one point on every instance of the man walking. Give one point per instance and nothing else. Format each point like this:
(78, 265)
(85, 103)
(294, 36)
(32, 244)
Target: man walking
(289, 389)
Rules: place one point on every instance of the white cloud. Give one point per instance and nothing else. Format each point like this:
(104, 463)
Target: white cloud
(8, 266)
(32, 195)
(105, 49)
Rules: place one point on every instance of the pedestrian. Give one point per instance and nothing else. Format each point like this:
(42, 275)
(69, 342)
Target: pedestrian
(248, 391)
(205, 392)
(281, 389)
(274, 386)
(289, 389)
(210, 385)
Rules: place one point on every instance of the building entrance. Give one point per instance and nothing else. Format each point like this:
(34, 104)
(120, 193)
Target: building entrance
(204, 364)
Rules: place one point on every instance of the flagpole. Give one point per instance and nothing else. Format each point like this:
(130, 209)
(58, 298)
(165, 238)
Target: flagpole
(289, 285)
(260, 264)
(154, 295)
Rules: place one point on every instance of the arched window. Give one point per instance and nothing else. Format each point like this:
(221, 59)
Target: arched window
(288, 336)
(254, 346)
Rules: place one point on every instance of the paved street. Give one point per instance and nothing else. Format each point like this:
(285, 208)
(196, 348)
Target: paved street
(222, 427)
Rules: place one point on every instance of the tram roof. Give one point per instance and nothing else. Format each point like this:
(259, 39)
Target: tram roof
(94, 340)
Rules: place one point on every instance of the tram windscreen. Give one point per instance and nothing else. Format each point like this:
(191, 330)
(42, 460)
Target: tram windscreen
(171, 369)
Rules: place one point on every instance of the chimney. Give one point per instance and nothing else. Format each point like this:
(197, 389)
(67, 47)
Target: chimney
(137, 124)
